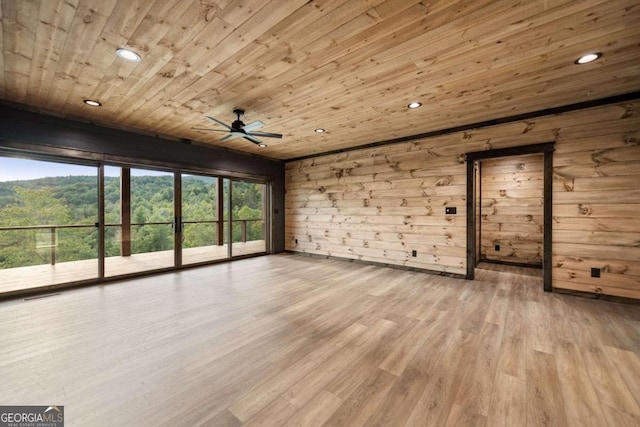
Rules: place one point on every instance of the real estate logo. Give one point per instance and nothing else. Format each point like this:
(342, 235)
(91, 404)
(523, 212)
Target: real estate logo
(32, 416)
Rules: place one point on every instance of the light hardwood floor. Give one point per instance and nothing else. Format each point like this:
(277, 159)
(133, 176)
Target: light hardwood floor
(292, 340)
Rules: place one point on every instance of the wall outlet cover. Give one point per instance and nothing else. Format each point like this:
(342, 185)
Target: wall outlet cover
(595, 272)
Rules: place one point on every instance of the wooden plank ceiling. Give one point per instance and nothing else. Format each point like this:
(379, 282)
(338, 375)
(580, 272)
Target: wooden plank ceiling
(349, 66)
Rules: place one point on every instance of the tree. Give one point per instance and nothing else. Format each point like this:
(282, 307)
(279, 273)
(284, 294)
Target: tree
(37, 207)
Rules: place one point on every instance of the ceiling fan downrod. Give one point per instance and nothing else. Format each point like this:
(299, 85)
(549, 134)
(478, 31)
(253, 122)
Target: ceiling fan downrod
(238, 124)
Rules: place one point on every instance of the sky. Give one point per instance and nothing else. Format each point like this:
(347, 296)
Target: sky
(13, 169)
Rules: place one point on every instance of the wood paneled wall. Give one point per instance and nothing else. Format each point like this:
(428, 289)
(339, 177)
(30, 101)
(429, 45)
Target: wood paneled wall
(379, 204)
(512, 217)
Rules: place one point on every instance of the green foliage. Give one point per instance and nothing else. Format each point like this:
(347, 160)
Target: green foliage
(111, 200)
(246, 204)
(151, 238)
(33, 247)
(74, 200)
(78, 193)
(35, 207)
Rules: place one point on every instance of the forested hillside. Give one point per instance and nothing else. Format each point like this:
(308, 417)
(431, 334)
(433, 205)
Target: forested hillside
(73, 200)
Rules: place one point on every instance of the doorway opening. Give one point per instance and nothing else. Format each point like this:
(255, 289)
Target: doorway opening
(491, 248)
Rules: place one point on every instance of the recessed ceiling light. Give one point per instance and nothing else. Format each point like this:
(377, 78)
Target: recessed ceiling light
(319, 130)
(263, 145)
(415, 104)
(92, 102)
(128, 54)
(589, 57)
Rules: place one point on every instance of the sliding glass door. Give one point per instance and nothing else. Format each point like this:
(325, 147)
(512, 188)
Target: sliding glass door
(48, 217)
(202, 231)
(247, 218)
(69, 222)
(143, 237)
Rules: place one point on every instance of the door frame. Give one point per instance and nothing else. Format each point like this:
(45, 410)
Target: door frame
(547, 149)
(266, 214)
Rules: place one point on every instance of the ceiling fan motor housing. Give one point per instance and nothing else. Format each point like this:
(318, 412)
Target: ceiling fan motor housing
(237, 124)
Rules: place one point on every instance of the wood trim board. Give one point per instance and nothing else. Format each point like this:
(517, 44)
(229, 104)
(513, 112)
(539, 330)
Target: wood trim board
(547, 149)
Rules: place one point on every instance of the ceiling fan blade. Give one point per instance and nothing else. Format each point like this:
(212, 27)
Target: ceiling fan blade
(252, 139)
(209, 130)
(218, 122)
(230, 136)
(251, 126)
(266, 134)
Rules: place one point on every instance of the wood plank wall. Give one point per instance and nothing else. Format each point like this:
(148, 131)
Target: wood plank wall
(512, 200)
(379, 204)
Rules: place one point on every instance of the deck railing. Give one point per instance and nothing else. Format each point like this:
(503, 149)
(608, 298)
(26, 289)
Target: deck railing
(243, 223)
(52, 242)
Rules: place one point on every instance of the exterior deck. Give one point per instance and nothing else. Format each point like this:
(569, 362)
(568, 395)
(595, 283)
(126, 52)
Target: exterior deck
(37, 276)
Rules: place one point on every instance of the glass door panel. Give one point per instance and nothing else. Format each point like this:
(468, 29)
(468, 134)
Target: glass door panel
(143, 237)
(48, 216)
(202, 239)
(112, 206)
(247, 218)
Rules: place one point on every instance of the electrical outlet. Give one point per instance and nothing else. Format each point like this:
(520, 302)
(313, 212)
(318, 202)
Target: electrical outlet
(595, 272)
(451, 210)
(414, 253)
(497, 248)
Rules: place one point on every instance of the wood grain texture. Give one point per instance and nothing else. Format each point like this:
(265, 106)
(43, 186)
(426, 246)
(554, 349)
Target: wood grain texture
(290, 340)
(348, 66)
(379, 204)
(507, 203)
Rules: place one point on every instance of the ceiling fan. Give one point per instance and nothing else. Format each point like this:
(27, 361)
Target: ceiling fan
(239, 130)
